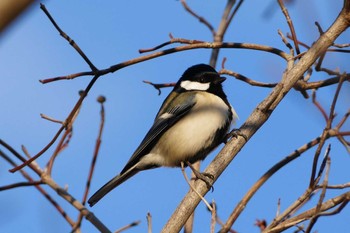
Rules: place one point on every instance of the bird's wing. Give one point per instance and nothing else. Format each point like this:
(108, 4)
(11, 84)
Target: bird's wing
(166, 118)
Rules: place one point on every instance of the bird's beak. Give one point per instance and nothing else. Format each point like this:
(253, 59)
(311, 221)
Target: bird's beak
(219, 80)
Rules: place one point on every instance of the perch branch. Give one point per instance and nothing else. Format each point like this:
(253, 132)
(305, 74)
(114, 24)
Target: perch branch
(259, 116)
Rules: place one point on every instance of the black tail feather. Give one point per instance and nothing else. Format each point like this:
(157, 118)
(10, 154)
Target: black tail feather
(110, 185)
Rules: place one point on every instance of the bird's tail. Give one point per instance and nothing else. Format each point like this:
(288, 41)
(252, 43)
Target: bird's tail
(117, 180)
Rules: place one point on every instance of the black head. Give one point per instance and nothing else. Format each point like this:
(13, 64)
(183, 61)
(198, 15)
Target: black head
(201, 77)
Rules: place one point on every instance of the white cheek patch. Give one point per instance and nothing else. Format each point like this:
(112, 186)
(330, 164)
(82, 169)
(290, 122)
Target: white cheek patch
(191, 85)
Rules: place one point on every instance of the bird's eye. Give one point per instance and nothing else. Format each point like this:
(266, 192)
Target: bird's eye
(203, 79)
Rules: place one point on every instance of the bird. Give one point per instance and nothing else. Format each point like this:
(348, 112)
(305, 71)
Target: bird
(192, 121)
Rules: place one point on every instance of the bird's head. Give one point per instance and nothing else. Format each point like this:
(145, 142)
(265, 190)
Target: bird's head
(200, 77)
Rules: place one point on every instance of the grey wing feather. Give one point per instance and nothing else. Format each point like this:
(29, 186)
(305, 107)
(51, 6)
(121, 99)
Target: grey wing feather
(160, 126)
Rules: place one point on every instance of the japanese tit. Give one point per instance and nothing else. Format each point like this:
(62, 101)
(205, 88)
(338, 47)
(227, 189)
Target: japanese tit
(192, 121)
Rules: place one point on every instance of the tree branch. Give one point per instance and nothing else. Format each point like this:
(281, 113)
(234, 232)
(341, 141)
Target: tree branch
(259, 116)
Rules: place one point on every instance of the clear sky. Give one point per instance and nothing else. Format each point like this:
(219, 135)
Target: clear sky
(110, 32)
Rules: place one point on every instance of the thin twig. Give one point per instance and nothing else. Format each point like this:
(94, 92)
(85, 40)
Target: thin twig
(278, 207)
(66, 124)
(285, 41)
(75, 203)
(261, 224)
(101, 100)
(149, 222)
(171, 41)
(246, 198)
(20, 184)
(70, 41)
(314, 219)
(232, 15)
(219, 34)
(257, 185)
(158, 86)
(39, 153)
(188, 46)
(290, 24)
(200, 18)
(339, 186)
(259, 116)
(303, 85)
(319, 106)
(19, 156)
(325, 132)
(39, 188)
(58, 149)
(341, 45)
(246, 80)
(299, 42)
(73, 113)
(340, 201)
(213, 217)
(133, 224)
(50, 118)
(319, 28)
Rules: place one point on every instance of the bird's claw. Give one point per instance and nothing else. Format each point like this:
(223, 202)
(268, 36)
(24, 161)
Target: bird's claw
(207, 178)
(234, 133)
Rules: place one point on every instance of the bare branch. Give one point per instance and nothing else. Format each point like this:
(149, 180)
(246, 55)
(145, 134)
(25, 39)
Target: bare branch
(39, 188)
(70, 41)
(50, 119)
(191, 44)
(290, 24)
(75, 203)
(133, 224)
(20, 184)
(149, 222)
(67, 124)
(246, 80)
(325, 132)
(213, 217)
(200, 18)
(171, 41)
(341, 45)
(101, 100)
(314, 219)
(246, 198)
(339, 186)
(340, 200)
(219, 35)
(259, 116)
(319, 106)
(158, 86)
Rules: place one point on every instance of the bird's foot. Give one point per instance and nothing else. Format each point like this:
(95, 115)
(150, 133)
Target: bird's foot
(207, 178)
(234, 133)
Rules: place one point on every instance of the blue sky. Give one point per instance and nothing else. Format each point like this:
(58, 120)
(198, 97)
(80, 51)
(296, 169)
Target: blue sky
(112, 32)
